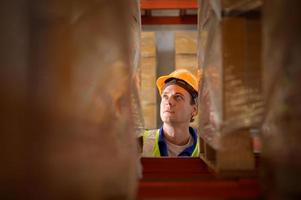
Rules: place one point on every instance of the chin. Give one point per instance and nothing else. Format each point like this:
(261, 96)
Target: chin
(168, 120)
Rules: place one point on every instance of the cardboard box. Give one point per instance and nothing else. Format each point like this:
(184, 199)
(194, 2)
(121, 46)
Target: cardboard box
(148, 44)
(148, 70)
(186, 51)
(186, 42)
(231, 102)
(150, 113)
(187, 61)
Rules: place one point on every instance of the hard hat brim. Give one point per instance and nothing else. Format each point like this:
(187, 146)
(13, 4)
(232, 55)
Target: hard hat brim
(161, 82)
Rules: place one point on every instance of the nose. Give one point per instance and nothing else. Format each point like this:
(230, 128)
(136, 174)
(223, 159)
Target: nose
(169, 101)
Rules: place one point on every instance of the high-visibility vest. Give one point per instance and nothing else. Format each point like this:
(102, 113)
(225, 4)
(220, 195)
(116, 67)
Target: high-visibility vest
(151, 145)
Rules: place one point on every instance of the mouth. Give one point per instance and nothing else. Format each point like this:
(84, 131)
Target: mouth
(169, 111)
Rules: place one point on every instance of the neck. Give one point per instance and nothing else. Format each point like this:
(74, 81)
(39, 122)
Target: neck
(178, 135)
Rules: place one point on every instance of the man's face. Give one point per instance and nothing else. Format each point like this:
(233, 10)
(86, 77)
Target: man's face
(175, 105)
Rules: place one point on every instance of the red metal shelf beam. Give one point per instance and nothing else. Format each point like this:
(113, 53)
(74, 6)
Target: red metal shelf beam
(216, 189)
(190, 178)
(168, 4)
(169, 20)
(170, 168)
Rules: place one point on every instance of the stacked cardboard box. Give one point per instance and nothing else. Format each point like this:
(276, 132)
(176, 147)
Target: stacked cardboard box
(231, 102)
(282, 80)
(136, 108)
(186, 50)
(65, 119)
(186, 56)
(148, 79)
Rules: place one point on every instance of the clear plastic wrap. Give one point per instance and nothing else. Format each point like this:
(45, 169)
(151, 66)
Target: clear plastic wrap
(229, 54)
(75, 61)
(282, 80)
(136, 108)
(237, 7)
(231, 102)
(210, 62)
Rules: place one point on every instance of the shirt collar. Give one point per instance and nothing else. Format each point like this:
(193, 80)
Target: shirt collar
(186, 152)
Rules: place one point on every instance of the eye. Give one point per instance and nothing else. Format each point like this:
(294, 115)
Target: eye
(179, 97)
(164, 96)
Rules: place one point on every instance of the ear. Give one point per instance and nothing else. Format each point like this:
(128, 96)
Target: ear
(195, 110)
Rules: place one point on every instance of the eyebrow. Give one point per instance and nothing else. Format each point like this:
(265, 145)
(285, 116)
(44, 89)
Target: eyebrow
(177, 93)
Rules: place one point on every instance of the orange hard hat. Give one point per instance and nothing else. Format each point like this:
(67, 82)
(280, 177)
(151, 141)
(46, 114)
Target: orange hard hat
(180, 74)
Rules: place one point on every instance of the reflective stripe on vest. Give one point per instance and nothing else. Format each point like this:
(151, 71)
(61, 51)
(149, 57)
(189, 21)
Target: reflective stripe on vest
(151, 147)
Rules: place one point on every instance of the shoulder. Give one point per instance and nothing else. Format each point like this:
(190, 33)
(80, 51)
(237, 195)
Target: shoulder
(149, 142)
(151, 133)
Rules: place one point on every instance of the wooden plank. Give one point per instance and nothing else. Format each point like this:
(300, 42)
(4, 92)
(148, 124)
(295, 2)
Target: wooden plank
(235, 152)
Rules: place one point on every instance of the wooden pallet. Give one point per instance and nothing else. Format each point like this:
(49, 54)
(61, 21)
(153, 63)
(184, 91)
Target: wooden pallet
(230, 154)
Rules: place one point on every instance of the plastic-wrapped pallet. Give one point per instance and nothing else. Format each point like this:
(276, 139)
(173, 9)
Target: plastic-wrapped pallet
(236, 7)
(231, 102)
(148, 79)
(67, 129)
(135, 39)
(282, 80)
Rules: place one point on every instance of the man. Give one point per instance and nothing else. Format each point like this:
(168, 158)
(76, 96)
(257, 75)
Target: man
(179, 92)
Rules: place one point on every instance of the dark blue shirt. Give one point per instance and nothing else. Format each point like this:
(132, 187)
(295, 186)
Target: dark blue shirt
(186, 152)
